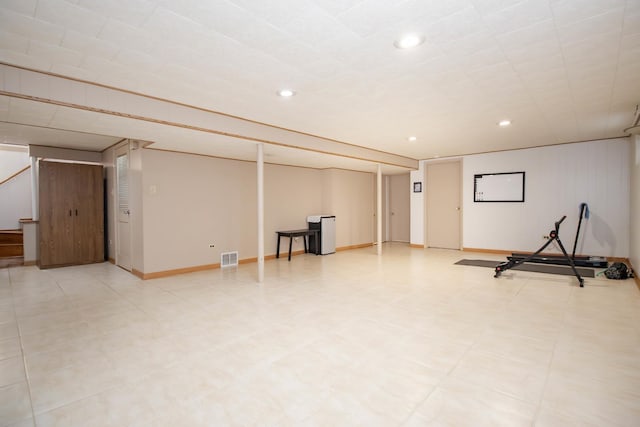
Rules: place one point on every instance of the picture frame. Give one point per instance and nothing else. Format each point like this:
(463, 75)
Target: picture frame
(417, 187)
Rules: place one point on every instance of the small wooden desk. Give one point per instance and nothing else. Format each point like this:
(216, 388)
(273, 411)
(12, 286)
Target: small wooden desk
(297, 233)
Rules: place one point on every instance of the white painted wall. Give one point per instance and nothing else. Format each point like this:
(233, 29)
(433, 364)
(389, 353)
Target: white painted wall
(197, 201)
(291, 195)
(349, 196)
(201, 200)
(417, 206)
(136, 206)
(15, 194)
(558, 179)
(634, 235)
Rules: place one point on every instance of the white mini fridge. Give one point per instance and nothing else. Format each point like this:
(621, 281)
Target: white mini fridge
(327, 234)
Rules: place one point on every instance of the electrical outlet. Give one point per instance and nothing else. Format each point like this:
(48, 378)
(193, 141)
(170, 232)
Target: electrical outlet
(211, 245)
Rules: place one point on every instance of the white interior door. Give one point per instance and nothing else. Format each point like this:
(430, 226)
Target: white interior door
(443, 205)
(123, 226)
(399, 207)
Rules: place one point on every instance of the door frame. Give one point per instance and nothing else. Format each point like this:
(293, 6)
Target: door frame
(425, 188)
(390, 212)
(116, 208)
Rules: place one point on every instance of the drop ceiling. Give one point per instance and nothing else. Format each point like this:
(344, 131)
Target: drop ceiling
(560, 70)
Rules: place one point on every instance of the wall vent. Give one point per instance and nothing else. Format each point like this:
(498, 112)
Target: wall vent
(229, 259)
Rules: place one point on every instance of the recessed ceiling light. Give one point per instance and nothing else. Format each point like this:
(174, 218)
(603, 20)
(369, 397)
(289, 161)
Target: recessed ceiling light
(412, 138)
(408, 41)
(286, 93)
(504, 123)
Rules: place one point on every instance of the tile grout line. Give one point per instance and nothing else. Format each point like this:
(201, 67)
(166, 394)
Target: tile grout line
(551, 360)
(24, 358)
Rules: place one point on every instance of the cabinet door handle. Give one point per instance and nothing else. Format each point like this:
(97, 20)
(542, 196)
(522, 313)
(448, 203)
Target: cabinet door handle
(76, 212)
(69, 212)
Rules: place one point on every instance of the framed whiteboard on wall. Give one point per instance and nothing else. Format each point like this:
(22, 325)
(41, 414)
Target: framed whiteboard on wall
(498, 187)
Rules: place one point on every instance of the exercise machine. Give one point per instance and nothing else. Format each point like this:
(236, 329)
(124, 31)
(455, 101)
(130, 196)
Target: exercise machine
(554, 236)
(579, 261)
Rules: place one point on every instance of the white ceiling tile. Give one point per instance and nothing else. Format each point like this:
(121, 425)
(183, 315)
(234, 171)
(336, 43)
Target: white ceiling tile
(232, 22)
(461, 24)
(63, 13)
(335, 7)
(110, 73)
(25, 7)
(486, 7)
(138, 60)
(27, 112)
(567, 11)
(10, 79)
(593, 50)
(498, 71)
(121, 34)
(54, 53)
(630, 46)
(132, 12)
(16, 23)
(618, 121)
(581, 78)
(522, 14)
(481, 59)
(372, 16)
(61, 90)
(183, 30)
(465, 46)
(542, 55)
(35, 84)
(277, 13)
(519, 39)
(55, 137)
(427, 12)
(320, 30)
(89, 45)
(553, 67)
(607, 23)
(28, 61)
(12, 41)
(631, 19)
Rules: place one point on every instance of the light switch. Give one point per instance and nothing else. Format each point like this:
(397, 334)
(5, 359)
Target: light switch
(153, 189)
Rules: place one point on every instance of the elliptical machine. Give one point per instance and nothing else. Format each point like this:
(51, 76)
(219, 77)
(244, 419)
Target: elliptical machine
(554, 235)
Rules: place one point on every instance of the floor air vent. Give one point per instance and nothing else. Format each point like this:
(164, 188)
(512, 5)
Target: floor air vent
(229, 259)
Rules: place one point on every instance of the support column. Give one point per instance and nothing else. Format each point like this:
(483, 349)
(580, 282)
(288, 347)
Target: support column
(379, 208)
(34, 189)
(260, 170)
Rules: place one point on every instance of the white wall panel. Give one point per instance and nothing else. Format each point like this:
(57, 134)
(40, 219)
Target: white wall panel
(417, 206)
(190, 201)
(634, 235)
(558, 179)
(18, 192)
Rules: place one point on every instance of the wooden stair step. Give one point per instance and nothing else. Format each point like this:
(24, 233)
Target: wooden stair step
(11, 237)
(11, 250)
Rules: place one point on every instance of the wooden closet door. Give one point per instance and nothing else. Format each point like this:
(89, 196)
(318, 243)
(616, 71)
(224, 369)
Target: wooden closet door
(56, 182)
(89, 214)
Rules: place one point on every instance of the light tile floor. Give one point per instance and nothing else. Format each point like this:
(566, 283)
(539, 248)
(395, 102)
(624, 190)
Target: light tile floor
(350, 339)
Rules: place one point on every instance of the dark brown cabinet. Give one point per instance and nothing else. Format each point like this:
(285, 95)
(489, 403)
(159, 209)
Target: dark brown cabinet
(71, 207)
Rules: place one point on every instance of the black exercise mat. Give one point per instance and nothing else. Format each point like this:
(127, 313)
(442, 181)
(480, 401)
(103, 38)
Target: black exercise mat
(537, 268)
